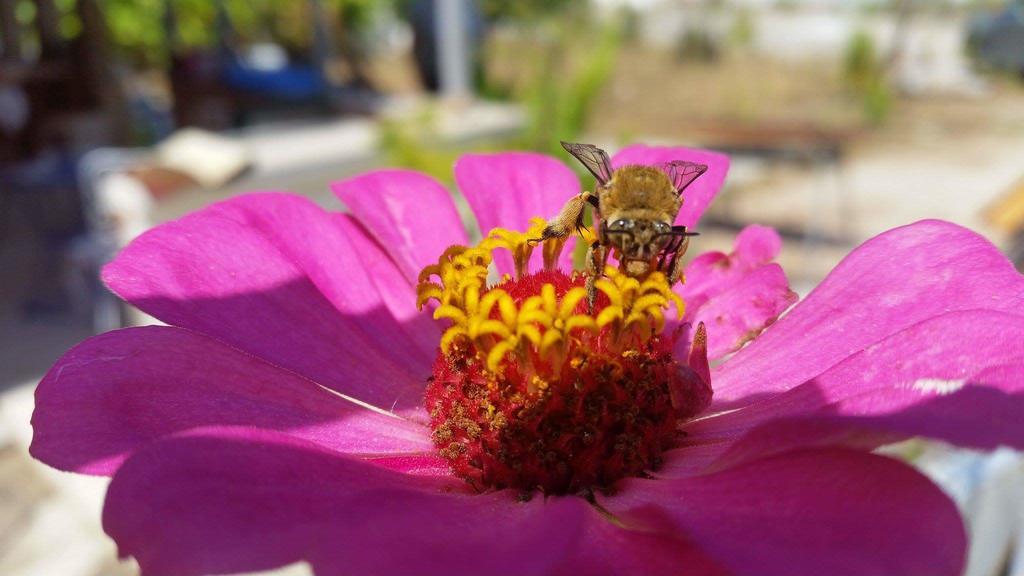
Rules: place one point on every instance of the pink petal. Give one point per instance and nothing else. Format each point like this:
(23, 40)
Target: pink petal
(698, 195)
(739, 313)
(395, 290)
(714, 272)
(830, 512)
(233, 500)
(957, 378)
(505, 190)
(889, 283)
(692, 394)
(737, 295)
(121, 390)
(274, 275)
(757, 244)
(423, 464)
(408, 213)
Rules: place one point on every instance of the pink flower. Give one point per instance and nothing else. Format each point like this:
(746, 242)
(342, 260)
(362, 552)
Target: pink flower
(280, 416)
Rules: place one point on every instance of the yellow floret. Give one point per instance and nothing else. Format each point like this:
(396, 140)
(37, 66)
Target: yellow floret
(489, 323)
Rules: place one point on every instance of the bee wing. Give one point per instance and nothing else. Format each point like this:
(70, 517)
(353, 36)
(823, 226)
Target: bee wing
(595, 160)
(683, 173)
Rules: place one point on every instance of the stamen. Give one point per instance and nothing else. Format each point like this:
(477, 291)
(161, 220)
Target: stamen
(532, 388)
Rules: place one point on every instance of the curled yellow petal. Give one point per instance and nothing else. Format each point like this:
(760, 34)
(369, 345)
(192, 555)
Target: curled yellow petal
(547, 295)
(497, 355)
(580, 323)
(550, 339)
(450, 312)
(489, 327)
(535, 316)
(570, 301)
(507, 309)
(489, 300)
(449, 336)
(530, 333)
(609, 315)
(611, 291)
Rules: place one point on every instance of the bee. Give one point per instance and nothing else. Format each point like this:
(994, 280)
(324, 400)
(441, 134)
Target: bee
(634, 209)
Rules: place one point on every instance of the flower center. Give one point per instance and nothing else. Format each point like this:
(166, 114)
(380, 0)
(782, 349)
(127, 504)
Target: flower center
(533, 389)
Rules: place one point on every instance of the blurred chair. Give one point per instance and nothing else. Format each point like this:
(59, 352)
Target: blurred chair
(119, 189)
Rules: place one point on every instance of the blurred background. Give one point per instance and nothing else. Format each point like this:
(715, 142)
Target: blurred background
(843, 119)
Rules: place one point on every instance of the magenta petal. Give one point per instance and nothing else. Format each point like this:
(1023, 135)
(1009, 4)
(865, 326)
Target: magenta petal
(737, 295)
(506, 190)
(757, 244)
(889, 283)
(714, 272)
(118, 391)
(275, 276)
(830, 512)
(738, 314)
(957, 378)
(395, 290)
(698, 195)
(233, 500)
(409, 214)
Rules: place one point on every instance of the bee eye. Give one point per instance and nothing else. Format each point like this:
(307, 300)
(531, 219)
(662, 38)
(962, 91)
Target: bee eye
(662, 227)
(622, 224)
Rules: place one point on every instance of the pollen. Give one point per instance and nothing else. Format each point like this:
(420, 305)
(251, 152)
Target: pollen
(534, 389)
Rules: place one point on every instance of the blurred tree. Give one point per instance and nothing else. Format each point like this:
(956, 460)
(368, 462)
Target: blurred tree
(355, 18)
(527, 10)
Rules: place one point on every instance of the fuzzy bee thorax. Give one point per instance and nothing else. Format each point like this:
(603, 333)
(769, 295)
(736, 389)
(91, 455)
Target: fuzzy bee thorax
(640, 187)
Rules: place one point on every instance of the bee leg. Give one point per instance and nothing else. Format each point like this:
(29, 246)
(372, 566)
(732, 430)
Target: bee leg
(597, 255)
(569, 219)
(666, 258)
(676, 263)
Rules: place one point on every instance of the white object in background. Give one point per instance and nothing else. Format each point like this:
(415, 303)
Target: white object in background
(210, 159)
(124, 205)
(989, 490)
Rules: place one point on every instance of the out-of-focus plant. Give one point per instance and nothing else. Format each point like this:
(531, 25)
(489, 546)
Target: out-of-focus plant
(743, 29)
(564, 87)
(413, 143)
(523, 10)
(537, 16)
(138, 29)
(864, 74)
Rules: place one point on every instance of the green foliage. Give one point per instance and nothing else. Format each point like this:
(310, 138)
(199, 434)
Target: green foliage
(864, 73)
(413, 143)
(877, 102)
(861, 63)
(743, 29)
(137, 29)
(524, 10)
(560, 96)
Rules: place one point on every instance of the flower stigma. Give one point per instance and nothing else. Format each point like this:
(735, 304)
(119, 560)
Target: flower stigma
(533, 390)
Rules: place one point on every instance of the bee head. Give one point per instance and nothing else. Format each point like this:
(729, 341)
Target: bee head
(637, 240)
